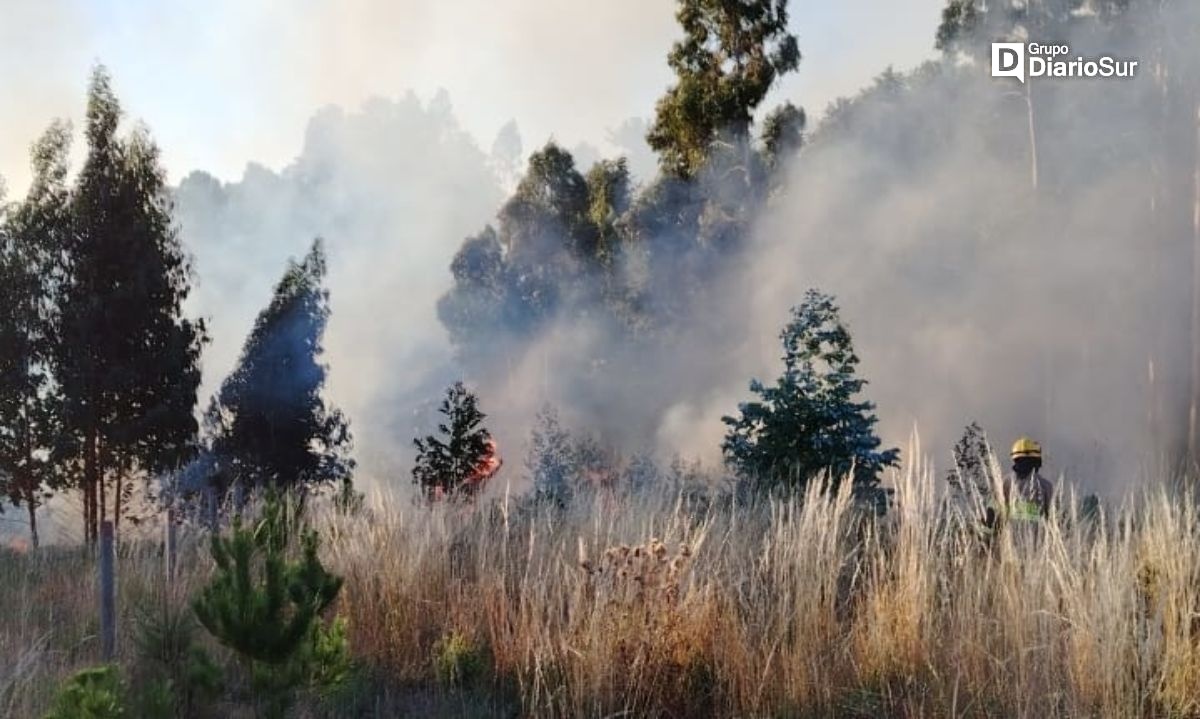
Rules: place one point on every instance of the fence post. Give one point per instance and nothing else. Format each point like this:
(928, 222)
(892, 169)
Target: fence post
(108, 592)
(169, 551)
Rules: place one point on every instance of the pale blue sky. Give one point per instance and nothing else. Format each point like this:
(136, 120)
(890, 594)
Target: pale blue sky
(223, 82)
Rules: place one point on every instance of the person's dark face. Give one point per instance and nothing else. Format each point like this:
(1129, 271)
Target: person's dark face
(1024, 466)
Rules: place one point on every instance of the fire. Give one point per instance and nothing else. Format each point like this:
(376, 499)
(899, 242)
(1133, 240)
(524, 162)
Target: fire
(486, 468)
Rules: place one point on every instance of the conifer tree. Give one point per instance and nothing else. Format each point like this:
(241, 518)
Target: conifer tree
(265, 602)
(810, 421)
(269, 425)
(462, 456)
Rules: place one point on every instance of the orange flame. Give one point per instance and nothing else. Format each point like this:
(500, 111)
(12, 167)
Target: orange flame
(487, 467)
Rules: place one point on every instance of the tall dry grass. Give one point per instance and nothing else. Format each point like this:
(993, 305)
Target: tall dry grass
(648, 606)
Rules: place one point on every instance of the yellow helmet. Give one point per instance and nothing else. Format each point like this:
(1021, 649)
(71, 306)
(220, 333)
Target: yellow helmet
(1026, 447)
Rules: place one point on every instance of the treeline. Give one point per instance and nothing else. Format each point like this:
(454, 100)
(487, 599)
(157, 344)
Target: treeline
(574, 243)
(100, 366)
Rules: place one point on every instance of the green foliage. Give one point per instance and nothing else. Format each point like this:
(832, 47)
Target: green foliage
(608, 185)
(590, 249)
(259, 603)
(154, 699)
(93, 693)
(809, 422)
(32, 235)
(459, 461)
(321, 665)
(173, 675)
(457, 661)
(269, 425)
(729, 58)
(127, 360)
(783, 133)
(265, 604)
(328, 662)
(970, 26)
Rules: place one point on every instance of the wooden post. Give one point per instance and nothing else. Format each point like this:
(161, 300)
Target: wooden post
(169, 550)
(108, 593)
(210, 496)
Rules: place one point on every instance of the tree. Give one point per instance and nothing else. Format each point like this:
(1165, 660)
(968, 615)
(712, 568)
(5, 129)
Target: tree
(970, 26)
(809, 422)
(551, 458)
(459, 461)
(553, 234)
(268, 424)
(127, 359)
(546, 223)
(608, 200)
(972, 472)
(506, 154)
(265, 602)
(30, 239)
(783, 134)
(731, 55)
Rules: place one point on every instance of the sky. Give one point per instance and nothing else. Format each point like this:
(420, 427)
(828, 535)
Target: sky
(221, 83)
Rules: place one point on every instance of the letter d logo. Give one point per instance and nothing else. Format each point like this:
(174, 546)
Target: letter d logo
(1008, 60)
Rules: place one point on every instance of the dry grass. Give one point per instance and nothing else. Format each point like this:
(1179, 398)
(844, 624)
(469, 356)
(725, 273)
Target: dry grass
(783, 608)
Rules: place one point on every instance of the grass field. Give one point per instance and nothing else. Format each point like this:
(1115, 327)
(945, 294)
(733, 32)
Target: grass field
(650, 606)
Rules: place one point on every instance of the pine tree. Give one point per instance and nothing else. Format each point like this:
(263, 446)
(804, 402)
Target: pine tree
(127, 359)
(265, 602)
(269, 425)
(31, 238)
(462, 457)
(809, 422)
(730, 56)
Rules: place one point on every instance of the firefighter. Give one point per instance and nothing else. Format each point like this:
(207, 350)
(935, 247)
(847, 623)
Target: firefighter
(1029, 494)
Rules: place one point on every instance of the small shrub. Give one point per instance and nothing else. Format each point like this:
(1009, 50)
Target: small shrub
(155, 699)
(93, 693)
(265, 604)
(171, 665)
(457, 661)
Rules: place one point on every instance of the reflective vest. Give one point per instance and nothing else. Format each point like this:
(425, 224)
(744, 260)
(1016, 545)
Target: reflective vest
(1025, 510)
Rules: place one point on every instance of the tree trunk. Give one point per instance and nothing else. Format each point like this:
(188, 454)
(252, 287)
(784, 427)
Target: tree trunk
(101, 495)
(90, 480)
(117, 504)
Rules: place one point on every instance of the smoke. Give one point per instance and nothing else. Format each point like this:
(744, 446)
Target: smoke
(1035, 278)
(390, 188)
(1060, 310)
(971, 294)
